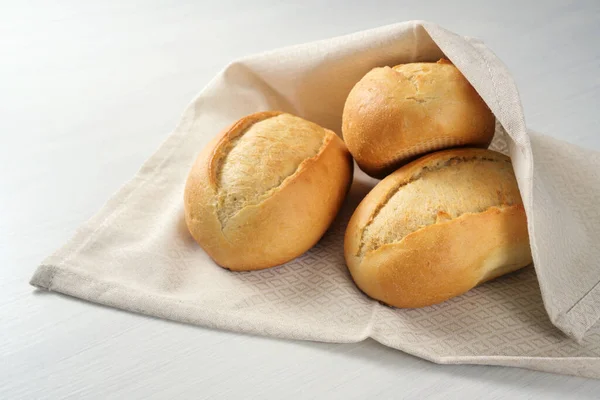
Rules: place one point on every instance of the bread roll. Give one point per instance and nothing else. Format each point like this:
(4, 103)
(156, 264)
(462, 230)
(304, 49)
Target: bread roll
(438, 227)
(265, 190)
(394, 115)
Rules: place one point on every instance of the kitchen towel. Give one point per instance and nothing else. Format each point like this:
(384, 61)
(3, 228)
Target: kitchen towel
(137, 255)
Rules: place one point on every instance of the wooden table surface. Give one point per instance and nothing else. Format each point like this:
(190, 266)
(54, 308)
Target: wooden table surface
(88, 90)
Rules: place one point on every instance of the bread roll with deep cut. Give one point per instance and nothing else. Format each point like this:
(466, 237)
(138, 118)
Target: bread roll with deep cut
(438, 227)
(265, 190)
(394, 115)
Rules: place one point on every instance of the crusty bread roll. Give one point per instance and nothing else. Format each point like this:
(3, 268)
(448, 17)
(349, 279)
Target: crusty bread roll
(438, 227)
(265, 190)
(394, 115)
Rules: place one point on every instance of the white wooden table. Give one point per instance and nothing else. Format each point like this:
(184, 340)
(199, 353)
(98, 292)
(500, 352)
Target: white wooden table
(88, 90)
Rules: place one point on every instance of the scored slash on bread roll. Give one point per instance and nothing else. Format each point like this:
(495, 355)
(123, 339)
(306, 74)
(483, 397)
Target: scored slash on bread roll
(438, 227)
(265, 190)
(394, 115)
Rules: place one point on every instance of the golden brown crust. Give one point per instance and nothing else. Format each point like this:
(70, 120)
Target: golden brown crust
(394, 115)
(283, 225)
(446, 258)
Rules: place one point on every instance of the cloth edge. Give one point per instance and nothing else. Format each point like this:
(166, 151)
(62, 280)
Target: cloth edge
(582, 316)
(78, 284)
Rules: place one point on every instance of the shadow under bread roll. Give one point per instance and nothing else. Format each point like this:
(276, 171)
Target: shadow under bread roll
(265, 190)
(394, 115)
(438, 227)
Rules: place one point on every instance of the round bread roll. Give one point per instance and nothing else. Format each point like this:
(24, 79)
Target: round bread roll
(438, 227)
(265, 190)
(394, 115)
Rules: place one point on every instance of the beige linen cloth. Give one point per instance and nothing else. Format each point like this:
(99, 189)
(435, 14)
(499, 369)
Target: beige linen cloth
(137, 255)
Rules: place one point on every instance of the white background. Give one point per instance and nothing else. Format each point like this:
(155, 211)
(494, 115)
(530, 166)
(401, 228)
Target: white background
(88, 90)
